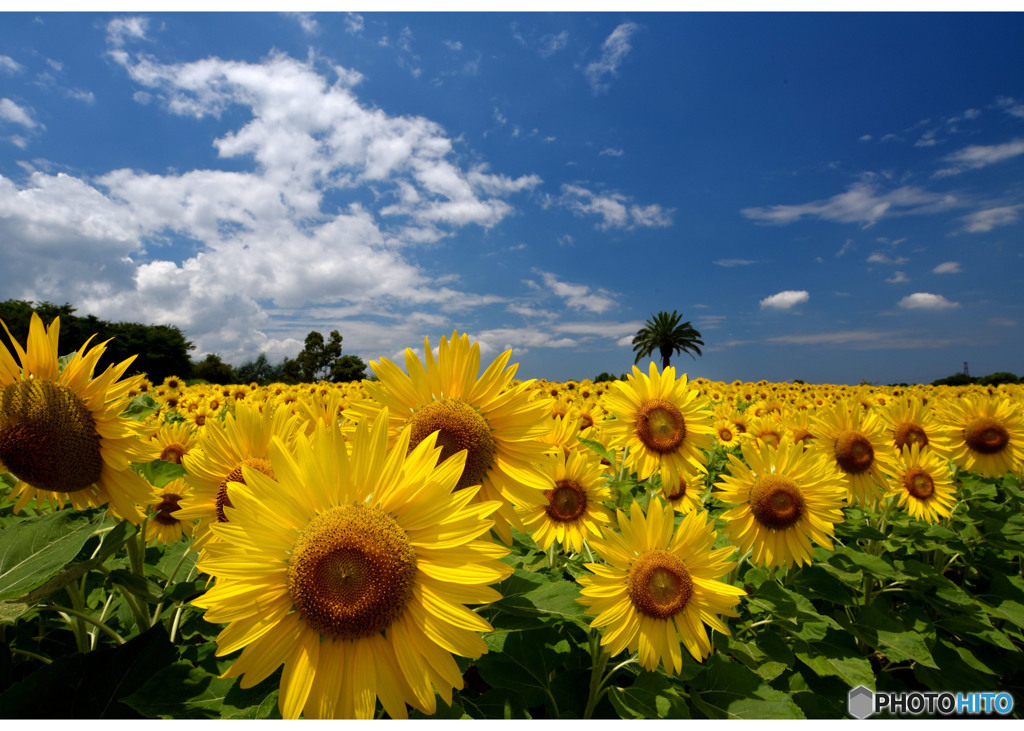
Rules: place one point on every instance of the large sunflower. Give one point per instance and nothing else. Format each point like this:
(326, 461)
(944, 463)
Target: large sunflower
(659, 586)
(922, 484)
(987, 434)
(500, 429)
(241, 439)
(660, 421)
(910, 421)
(784, 498)
(61, 433)
(572, 510)
(353, 570)
(856, 442)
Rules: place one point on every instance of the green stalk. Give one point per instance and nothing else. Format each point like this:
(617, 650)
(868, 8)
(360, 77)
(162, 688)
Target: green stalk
(85, 617)
(78, 624)
(32, 655)
(600, 662)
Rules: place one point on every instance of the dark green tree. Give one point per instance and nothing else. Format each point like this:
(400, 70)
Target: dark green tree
(317, 358)
(348, 368)
(213, 370)
(667, 335)
(259, 370)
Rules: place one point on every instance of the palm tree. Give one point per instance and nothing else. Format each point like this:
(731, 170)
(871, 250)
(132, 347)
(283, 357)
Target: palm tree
(666, 334)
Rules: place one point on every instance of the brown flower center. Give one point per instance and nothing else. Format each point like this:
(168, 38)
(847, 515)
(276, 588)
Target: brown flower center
(459, 427)
(173, 452)
(725, 434)
(659, 584)
(919, 483)
(351, 572)
(854, 452)
(48, 437)
(908, 434)
(776, 502)
(660, 426)
(986, 435)
(167, 505)
(566, 502)
(256, 463)
(677, 492)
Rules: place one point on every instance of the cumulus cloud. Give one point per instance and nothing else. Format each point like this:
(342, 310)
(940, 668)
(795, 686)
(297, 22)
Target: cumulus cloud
(613, 51)
(862, 203)
(882, 258)
(122, 30)
(979, 156)
(927, 301)
(307, 22)
(614, 209)
(16, 114)
(552, 43)
(947, 267)
(986, 220)
(226, 254)
(897, 278)
(353, 23)
(9, 66)
(577, 296)
(612, 152)
(785, 300)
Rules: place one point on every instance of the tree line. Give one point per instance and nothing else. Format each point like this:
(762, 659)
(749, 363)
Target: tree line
(163, 350)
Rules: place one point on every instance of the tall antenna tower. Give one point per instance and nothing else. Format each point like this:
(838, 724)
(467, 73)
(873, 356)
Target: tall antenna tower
(965, 369)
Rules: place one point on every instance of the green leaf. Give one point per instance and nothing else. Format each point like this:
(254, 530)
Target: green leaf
(600, 449)
(836, 654)
(10, 612)
(524, 662)
(90, 685)
(791, 610)
(872, 565)
(140, 407)
(36, 549)
(1005, 599)
(183, 691)
(652, 695)
(885, 632)
(159, 472)
(533, 594)
(144, 588)
(727, 689)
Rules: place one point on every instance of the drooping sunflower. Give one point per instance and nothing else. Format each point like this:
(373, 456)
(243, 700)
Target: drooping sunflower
(353, 570)
(240, 439)
(922, 484)
(784, 498)
(686, 493)
(61, 433)
(987, 434)
(572, 510)
(490, 418)
(164, 526)
(659, 586)
(856, 442)
(661, 422)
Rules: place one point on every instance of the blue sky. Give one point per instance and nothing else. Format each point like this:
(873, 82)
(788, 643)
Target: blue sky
(826, 196)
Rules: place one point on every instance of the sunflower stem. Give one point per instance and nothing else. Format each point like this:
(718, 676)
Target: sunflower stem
(33, 655)
(64, 611)
(600, 660)
(78, 624)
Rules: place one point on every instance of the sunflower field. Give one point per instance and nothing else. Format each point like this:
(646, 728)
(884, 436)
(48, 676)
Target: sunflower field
(446, 541)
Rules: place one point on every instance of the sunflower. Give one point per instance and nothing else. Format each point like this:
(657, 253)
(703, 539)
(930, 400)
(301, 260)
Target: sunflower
(922, 484)
(856, 442)
(686, 494)
(572, 510)
(61, 433)
(487, 416)
(659, 586)
(783, 500)
(241, 439)
(987, 434)
(353, 571)
(909, 421)
(661, 423)
(725, 433)
(173, 440)
(164, 526)
(765, 429)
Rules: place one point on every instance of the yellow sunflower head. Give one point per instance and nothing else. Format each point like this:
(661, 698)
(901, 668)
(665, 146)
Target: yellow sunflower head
(659, 586)
(661, 422)
(686, 493)
(496, 423)
(855, 441)
(922, 484)
(783, 499)
(61, 433)
(352, 570)
(986, 433)
(163, 526)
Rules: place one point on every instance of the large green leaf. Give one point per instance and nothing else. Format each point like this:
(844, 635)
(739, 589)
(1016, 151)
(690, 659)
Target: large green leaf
(652, 695)
(181, 690)
(727, 689)
(525, 662)
(836, 654)
(140, 407)
(159, 472)
(791, 610)
(36, 549)
(886, 633)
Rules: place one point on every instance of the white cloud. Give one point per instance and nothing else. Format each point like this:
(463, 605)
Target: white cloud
(947, 267)
(866, 138)
(577, 296)
(307, 22)
(897, 278)
(881, 258)
(785, 300)
(988, 219)
(613, 51)
(864, 340)
(353, 23)
(16, 114)
(9, 66)
(121, 30)
(1011, 106)
(453, 45)
(613, 208)
(979, 156)
(612, 152)
(227, 254)
(862, 203)
(927, 301)
(735, 262)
